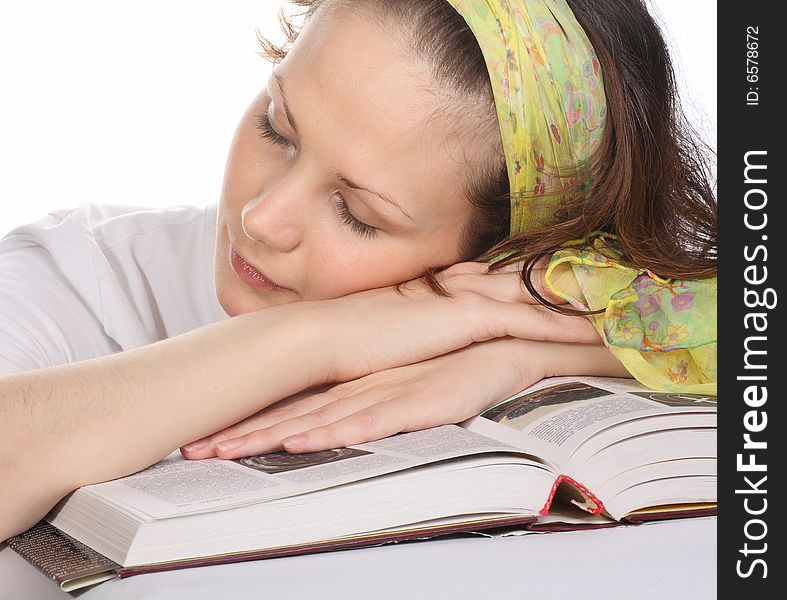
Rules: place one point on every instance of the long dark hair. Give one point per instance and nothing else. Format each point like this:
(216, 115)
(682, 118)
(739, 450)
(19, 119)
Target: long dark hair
(649, 178)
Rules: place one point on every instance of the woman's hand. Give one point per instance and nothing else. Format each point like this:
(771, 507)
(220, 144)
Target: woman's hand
(380, 329)
(446, 389)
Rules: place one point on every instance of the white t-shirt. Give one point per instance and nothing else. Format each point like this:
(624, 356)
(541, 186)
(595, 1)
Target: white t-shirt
(100, 279)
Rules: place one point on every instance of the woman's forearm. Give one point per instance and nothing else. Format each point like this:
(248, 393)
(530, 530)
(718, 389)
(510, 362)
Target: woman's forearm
(555, 359)
(67, 426)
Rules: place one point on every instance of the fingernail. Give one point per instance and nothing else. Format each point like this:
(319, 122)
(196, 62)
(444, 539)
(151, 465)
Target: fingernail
(198, 445)
(294, 441)
(228, 445)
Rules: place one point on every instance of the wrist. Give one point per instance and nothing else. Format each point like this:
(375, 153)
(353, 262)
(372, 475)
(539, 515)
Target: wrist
(520, 363)
(301, 334)
(558, 359)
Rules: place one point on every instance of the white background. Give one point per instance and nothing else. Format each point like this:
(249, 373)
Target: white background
(136, 102)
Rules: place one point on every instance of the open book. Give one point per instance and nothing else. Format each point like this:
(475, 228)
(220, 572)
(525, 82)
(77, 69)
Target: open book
(566, 453)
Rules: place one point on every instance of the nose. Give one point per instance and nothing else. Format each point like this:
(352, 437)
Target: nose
(275, 217)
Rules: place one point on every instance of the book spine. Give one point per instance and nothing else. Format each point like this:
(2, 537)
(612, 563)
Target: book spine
(59, 556)
(587, 501)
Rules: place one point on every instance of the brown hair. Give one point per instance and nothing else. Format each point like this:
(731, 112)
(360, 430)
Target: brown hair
(647, 182)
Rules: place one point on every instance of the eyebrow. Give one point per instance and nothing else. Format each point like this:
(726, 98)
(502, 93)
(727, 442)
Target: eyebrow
(339, 177)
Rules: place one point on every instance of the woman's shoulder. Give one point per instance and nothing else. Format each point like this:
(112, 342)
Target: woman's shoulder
(87, 240)
(112, 222)
(144, 273)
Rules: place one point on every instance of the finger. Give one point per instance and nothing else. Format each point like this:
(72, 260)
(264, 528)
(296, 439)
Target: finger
(373, 423)
(541, 265)
(465, 268)
(537, 277)
(283, 410)
(206, 447)
(270, 439)
(198, 449)
(504, 284)
(476, 277)
(536, 322)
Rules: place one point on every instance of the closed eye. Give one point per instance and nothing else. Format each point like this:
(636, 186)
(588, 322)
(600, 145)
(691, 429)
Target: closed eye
(362, 229)
(266, 131)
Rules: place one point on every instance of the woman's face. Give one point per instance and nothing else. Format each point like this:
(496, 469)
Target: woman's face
(346, 111)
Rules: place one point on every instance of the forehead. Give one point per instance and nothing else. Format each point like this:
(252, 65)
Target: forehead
(366, 110)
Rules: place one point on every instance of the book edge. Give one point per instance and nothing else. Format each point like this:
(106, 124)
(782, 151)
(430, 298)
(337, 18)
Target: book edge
(360, 541)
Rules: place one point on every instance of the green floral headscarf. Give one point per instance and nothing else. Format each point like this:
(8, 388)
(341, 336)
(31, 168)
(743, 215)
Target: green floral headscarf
(549, 95)
(551, 108)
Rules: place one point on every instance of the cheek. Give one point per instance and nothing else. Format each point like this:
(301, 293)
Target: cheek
(251, 161)
(247, 167)
(337, 272)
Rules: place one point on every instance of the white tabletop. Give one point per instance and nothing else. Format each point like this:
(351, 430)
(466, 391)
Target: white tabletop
(673, 559)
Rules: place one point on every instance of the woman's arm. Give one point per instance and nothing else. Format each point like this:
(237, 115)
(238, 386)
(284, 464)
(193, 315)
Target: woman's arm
(71, 425)
(67, 426)
(445, 389)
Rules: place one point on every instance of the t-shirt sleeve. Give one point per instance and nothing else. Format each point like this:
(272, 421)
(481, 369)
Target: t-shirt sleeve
(43, 321)
(662, 330)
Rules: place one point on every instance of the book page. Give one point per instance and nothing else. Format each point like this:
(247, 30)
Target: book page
(176, 486)
(552, 418)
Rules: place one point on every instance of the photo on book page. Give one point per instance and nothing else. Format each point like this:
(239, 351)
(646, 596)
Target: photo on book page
(281, 462)
(521, 411)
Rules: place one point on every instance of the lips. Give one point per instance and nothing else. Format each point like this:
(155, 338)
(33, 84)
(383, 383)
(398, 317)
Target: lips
(252, 276)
